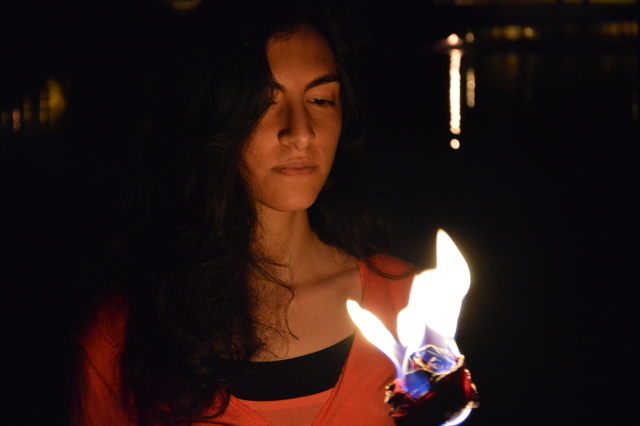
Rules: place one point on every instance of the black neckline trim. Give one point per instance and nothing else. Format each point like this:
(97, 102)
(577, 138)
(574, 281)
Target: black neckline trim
(295, 377)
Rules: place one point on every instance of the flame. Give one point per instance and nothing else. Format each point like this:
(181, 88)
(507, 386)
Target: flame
(461, 417)
(436, 295)
(377, 334)
(411, 330)
(431, 315)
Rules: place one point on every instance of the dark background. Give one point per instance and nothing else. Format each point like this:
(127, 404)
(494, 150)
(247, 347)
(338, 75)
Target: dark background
(541, 197)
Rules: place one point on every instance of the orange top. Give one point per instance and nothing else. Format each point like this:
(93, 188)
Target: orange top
(357, 398)
(290, 412)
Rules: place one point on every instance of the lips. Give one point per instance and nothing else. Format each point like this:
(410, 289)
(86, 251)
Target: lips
(296, 168)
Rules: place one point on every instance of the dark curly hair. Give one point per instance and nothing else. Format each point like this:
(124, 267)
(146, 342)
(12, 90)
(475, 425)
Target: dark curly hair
(186, 260)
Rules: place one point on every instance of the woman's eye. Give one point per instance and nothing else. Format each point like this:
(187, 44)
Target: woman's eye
(322, 102)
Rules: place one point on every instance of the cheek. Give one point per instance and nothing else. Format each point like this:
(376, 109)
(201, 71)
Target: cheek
(247, 166)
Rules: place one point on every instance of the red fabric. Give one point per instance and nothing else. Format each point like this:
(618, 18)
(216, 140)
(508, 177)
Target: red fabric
(100, 400)
(357, 398)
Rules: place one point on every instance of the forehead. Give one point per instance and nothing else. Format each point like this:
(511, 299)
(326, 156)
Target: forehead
(302, 53)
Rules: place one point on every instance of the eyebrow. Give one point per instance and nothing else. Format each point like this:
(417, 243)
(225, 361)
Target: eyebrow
(325, 79)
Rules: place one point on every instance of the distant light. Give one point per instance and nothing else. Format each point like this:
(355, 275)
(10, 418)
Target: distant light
(512, 32)
(471, 87)
(57, 101)
(469, 37)
(453, 40)
(619, 29)
(528, 32)
(455, 143)
(15, 114)
(184, 5)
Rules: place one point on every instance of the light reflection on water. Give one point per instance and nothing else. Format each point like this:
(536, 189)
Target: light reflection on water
(523, 75)
(522, 126)
(470, 94)
(519, 70)
(455, 57)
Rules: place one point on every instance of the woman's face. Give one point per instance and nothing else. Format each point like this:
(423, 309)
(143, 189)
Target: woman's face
(289, 155)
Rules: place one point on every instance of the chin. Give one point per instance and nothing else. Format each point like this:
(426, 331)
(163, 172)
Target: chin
(290, 204)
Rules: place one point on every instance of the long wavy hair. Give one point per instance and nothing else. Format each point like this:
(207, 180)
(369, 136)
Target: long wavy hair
(187, 259)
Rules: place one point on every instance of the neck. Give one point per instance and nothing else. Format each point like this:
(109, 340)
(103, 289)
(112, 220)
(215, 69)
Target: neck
(313, 315)
(286, 237)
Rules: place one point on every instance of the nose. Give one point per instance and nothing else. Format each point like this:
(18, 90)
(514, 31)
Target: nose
(296, 129)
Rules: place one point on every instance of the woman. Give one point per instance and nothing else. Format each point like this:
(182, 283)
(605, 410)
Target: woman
(251, 231)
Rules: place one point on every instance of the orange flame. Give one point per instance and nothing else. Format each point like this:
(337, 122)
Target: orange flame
(431, 315)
